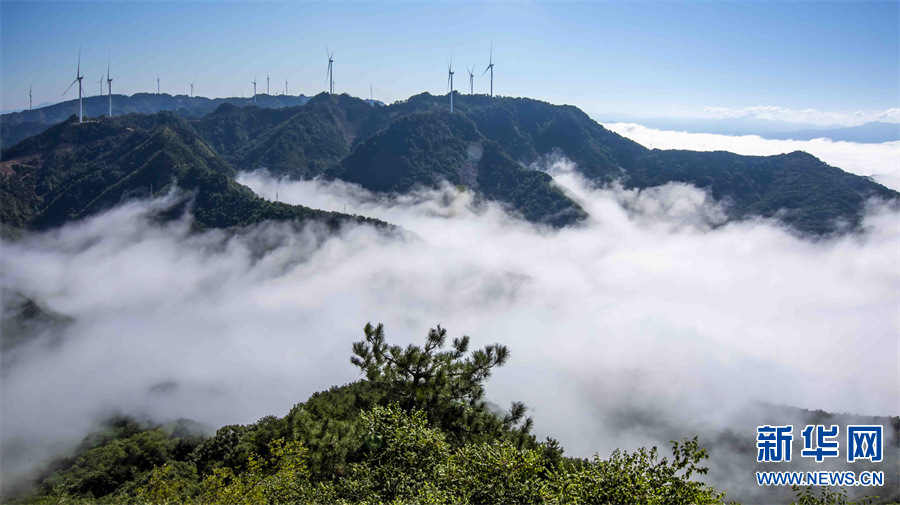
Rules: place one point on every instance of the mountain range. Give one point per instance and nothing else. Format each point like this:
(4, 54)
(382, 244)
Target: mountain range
(489, 145)
(873, 132)
(17, 126)
(74, 170)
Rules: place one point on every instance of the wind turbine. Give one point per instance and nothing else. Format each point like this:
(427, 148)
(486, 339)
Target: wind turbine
(450, 81)
(371, 95)
(330, 70)
(109, 86)
(157, 83)
(267, 82)
(254, 88)
(471, 79)
(285, 87)
(491, 68)
(78, 78)
(29, 97)
(100, 82)
(192, 88)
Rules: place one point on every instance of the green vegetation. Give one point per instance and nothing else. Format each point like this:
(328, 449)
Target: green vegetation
(418, 143)
(824, 495)
(416, 428)
(423, 149)
(16, 126)
(799, 189)
(303, 146)
(75, 170)
(485, 145)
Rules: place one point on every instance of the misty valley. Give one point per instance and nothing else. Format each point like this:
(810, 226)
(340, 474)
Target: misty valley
(330, 299)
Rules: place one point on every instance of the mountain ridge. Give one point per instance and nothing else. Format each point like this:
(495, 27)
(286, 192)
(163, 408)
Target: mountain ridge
(74, 170)
(16, 126)
(339, 136)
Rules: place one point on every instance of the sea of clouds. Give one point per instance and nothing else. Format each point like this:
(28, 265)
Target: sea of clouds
(653, 319)
(881, 162)
(810, 116)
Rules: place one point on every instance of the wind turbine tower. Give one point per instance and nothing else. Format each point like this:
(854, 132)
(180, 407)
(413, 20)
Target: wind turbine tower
(157, 83)
(471, 79)
(450, 82)
(285, 87)
(192, 88)
(267, 82)
(491, 68)
(29, 97)
(109, 87)
(371, 95)
(330, 70)
(78, 78)
(254, 88)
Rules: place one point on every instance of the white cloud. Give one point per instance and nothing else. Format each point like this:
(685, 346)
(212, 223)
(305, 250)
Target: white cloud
(810, 116)
(646, 308)
(880, 161)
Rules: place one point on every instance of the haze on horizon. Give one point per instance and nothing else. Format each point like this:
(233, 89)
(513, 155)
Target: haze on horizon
(825, 63)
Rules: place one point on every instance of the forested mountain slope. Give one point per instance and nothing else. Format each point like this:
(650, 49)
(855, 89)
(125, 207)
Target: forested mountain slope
(415, 429)
(75, 170)
(424, 148)
(418, 143)
(799, 189)
(16, 126)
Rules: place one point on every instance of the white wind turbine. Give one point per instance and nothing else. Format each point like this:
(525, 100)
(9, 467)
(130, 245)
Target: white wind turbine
(192, 88)
(29, 97)
(450, 81)
(491, 68)
(471, 79)
(267, 82)
(109, 86)
(78, 78)
(330, 70)
(100, 82)
(254, 88)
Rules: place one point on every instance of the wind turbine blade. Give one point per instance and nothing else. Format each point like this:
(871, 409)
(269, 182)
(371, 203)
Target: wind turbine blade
(485, 70)
(70, 87)
(78, 72)
(492, 52)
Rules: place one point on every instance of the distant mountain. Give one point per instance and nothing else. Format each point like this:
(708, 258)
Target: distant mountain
(314, 138)
(873, 132)
(343, 137)
(425, 148)
(798, 188)
(487, 145)
(722, 126)
(17, 126)
(72, 171)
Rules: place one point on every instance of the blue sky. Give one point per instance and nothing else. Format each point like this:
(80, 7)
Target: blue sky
(641, 58)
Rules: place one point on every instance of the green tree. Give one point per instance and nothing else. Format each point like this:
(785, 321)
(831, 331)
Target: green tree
(448, 385)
